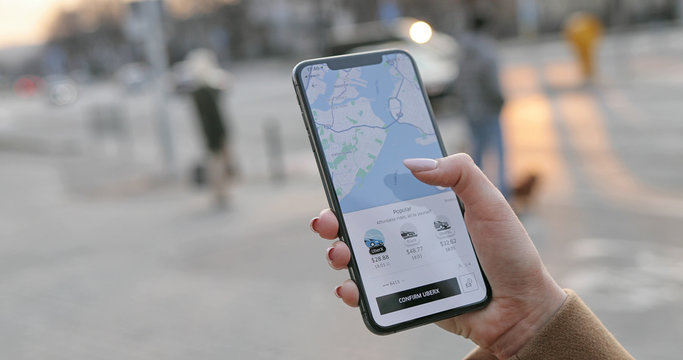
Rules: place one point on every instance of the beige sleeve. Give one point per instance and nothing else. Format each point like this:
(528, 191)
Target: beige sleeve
(574, 332)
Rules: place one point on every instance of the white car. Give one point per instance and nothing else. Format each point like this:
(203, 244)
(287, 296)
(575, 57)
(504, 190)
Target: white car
(435, 53)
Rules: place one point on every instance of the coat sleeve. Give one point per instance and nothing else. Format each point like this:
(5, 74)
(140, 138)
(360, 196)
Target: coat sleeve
(574, 332)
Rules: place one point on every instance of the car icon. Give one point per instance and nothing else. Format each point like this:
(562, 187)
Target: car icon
(371, 243)
(441, 225)
(408, 234)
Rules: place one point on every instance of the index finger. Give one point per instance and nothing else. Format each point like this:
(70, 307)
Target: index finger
(326, 225)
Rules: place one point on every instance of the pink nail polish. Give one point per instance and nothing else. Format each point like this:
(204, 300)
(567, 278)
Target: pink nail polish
(329, 254)
(337, 291)
(312, 224)
(420, 164)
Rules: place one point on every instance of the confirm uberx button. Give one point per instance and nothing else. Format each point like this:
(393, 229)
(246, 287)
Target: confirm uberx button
(418, 296)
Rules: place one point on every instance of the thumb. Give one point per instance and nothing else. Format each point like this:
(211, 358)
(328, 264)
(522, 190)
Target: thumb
(461, 174)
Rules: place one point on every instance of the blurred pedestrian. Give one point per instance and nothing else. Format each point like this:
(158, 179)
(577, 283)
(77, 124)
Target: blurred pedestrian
(583, 31)
(479, 88)
(209, 82)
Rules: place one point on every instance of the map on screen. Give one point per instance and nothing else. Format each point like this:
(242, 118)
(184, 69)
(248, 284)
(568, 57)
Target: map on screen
(369, 119)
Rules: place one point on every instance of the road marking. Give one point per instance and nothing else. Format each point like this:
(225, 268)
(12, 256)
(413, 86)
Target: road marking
(519, 80)
(589, 138)
(562, 75)
(643, 275)
(617, 101)
(531, 139)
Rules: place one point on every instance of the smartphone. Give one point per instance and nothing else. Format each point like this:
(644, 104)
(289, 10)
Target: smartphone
(412, 257)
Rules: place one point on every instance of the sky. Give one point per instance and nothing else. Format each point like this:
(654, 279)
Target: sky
(23, 22)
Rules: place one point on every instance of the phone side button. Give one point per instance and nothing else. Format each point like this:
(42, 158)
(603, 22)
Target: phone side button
(361, 305)
(352, 273)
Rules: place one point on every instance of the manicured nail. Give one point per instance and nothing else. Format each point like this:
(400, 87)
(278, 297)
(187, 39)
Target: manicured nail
(337, 291)
(329, 254)
(420, 164)
(312, 224)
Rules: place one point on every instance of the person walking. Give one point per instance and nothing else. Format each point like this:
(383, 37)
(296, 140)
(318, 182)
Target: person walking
(478, 87)
(209, 82)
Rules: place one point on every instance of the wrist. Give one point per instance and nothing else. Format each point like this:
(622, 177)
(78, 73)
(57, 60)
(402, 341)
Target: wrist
(535, 314)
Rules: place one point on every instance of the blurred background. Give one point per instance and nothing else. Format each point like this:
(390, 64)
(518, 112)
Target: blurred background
(115, 244)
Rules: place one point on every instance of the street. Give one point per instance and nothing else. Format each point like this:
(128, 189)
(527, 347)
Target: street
(102, 256)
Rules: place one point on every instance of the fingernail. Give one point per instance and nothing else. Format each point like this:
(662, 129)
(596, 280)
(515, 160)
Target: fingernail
(312, 224)
(329, 254)
(337, 291)
(420, 164)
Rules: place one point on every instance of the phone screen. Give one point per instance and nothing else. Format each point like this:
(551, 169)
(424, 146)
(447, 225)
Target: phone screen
(412, 250)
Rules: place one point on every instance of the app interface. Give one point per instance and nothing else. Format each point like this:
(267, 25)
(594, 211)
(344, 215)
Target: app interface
(409, 239)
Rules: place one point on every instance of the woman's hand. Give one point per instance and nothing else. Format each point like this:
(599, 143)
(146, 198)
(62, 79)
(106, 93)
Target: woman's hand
(524, 295)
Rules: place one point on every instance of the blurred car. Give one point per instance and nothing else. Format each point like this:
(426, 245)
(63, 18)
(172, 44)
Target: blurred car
(133, 76)
(61, 90)
(434, 52)
(28, 85)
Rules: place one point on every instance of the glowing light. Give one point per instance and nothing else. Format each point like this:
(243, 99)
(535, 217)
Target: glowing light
(420, 32)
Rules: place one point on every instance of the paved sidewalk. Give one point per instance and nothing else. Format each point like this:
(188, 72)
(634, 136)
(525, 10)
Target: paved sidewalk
(161, 275)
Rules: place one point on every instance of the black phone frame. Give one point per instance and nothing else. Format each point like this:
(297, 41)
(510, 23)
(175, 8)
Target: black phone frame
(351, 61)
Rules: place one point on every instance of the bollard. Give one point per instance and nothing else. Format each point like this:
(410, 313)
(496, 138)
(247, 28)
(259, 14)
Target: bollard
(583, 31)
(274, 150)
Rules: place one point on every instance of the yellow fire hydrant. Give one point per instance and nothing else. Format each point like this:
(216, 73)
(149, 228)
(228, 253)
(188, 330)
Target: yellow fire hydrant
(583, 31)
